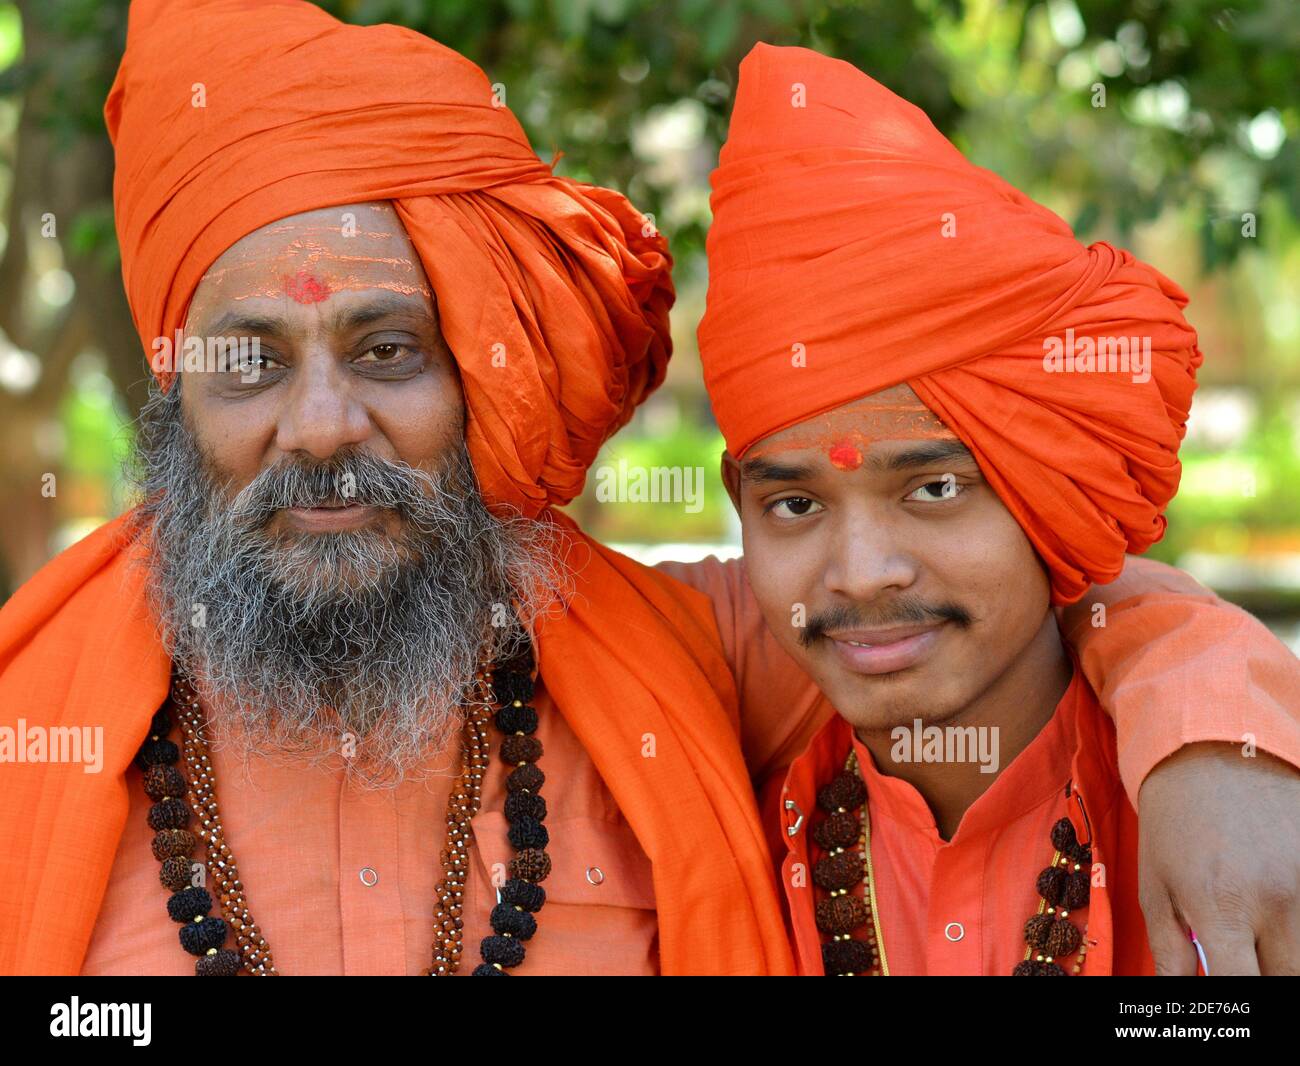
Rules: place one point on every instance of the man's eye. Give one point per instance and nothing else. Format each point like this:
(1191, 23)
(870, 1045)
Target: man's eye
(933, 491)
(384, 353)
(253, 365)
(793, 507)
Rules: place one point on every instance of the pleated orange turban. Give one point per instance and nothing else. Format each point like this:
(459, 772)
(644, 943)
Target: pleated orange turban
(302, 112)
(853, 248)
(557, 271)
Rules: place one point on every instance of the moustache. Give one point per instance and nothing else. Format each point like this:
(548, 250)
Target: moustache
(350, 476)
(902, 611)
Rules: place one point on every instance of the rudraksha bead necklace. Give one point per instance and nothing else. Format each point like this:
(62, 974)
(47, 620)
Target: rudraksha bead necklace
(847, 826)
(508, 688)
(1064, 886)
(845, 837)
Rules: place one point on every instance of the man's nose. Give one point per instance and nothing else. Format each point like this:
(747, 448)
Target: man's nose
(321, 412)
(868, 559)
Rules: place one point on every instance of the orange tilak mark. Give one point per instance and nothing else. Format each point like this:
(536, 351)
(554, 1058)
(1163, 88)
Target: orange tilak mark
(845, 456)
(306, 288)
(297, 227)
(348, 285)
(859, 426)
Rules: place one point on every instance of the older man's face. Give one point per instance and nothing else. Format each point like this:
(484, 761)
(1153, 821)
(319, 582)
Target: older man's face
(351, 358)
(323, 561)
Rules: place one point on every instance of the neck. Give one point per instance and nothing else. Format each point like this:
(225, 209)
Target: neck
(1017, 704)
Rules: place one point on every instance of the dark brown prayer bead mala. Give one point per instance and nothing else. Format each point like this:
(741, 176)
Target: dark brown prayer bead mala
(1063, 886)
(188, 905)
(521, 896)
(842, 913)
(513, 920)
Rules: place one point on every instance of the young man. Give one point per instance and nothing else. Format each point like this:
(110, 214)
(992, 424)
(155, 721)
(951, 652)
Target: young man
(920, 479)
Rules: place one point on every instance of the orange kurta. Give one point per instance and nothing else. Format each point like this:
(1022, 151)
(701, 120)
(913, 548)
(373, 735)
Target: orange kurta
(326, 920)
(959, 907)
(553, 297)
(79, 647)
(303, 840)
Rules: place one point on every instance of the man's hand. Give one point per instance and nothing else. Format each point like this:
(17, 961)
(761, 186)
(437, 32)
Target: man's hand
(1219, 852)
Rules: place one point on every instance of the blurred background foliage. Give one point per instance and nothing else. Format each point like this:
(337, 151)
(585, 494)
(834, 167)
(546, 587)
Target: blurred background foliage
(1193, 162)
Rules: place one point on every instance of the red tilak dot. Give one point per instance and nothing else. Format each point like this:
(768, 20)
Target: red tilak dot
(845, 456)
(306, 288)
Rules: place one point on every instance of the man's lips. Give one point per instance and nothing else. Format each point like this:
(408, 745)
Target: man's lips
(331, 518)
(886, 650)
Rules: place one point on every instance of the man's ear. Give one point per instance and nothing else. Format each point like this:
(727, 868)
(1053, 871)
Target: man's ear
(731, 478)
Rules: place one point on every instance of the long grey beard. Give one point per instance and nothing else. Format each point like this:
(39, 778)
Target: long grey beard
(356, 648)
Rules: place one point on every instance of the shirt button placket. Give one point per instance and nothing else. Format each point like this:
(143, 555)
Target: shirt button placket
(952, 923)
(374, 939)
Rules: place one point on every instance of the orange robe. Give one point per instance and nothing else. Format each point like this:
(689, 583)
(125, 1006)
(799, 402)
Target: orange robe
(959, 907)
(553, 296)
(661, 794)
(1175, 664)
(303, 841)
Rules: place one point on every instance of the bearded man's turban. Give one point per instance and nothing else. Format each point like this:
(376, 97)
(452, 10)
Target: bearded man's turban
(565, 280)
(300, 111)
(848, 231)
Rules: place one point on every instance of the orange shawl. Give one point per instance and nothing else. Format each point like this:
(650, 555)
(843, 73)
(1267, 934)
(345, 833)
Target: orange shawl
(303, 112)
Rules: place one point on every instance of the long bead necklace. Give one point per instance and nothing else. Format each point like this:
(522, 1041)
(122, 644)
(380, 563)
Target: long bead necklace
(844, 835)
(503, 693)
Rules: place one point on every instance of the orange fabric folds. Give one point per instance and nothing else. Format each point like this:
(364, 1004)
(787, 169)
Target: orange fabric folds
(854, 248)
(551, 277)
(555, 279)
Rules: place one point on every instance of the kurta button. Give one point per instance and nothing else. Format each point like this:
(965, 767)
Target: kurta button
(954, 931)
(368, 877)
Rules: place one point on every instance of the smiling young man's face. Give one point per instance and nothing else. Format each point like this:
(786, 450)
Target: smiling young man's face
(886, 565)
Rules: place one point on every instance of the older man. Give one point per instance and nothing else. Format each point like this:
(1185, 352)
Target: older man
(351, 549)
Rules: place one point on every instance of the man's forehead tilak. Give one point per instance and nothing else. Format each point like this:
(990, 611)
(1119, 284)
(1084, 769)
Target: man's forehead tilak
(845, 434)
(308, 269)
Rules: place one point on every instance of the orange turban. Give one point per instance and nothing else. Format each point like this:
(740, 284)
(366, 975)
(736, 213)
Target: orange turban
(556, 271)
(303, 112)
(853, 248)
